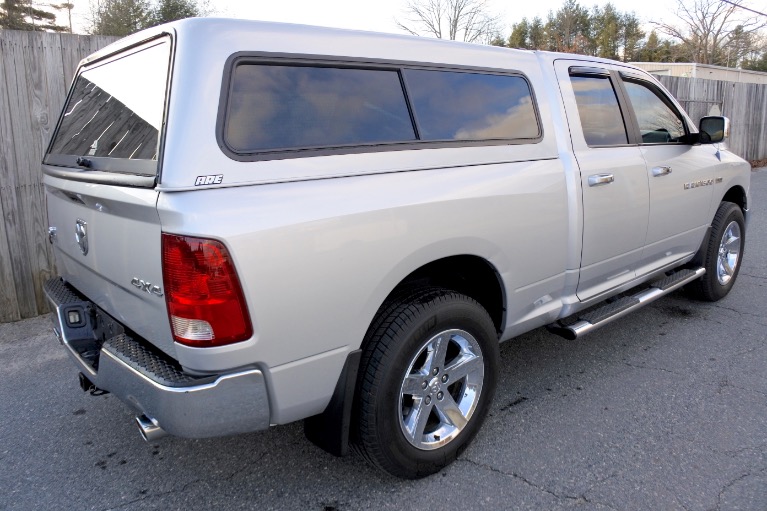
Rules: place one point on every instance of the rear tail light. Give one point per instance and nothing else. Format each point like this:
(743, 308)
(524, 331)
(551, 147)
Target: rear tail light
(202, 291)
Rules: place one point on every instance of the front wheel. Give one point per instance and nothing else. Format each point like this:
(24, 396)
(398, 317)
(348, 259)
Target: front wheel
(724, 254)
(428, 376)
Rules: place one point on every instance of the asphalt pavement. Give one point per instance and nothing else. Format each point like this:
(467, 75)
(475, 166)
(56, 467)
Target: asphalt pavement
(664, 409)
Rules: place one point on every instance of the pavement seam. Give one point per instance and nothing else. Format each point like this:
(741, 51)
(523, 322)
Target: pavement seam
(740, 313)
(734, 482)
(635, 366)
(753, 276)
(154, 495)
(577, 498)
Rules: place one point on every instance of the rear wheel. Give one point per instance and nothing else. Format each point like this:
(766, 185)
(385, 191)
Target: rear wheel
(723, 255)
(428, 375)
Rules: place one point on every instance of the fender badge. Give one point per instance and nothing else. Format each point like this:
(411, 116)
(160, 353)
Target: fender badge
(81, 235)
(215, 179)
(698, 184)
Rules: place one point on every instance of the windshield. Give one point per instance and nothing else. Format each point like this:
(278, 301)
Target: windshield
(115, 113)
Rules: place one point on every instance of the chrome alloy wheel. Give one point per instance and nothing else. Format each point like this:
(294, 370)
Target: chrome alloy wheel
(441, 389)
(729, 253)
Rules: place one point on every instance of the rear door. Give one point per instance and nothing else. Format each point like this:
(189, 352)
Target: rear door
(100, 172)
(613, 176)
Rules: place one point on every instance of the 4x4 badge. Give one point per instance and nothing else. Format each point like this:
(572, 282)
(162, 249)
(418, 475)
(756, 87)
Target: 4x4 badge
(81, 235)
(146, 286)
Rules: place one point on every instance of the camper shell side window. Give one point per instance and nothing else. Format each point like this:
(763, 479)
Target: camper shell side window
(276, 108)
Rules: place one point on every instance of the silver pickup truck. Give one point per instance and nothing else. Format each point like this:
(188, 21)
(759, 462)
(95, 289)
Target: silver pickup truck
(257, 223)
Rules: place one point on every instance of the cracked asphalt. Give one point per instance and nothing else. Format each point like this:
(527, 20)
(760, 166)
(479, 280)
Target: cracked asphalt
(664, 409)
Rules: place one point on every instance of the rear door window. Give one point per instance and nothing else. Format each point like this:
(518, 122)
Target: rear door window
(115, 112)
(598, 108)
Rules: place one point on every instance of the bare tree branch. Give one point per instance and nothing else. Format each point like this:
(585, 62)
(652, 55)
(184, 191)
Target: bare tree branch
(467, 20)
(708, 30)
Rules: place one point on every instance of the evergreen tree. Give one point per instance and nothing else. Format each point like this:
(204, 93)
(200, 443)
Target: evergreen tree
(631, 36)
(170, 10)
(756, 64)
(68, 6)
(123, 17)
(498, 40)
(537, 35)
(650, 51)
(568, 28)
(23, 15)
(520, 35)
(120, 17)
(607, 23)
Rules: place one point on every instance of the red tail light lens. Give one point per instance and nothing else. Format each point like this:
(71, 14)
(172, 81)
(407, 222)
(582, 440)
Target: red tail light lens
(204, 297)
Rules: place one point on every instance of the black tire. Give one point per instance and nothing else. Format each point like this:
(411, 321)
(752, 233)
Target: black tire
(430, 330)
(723, 254)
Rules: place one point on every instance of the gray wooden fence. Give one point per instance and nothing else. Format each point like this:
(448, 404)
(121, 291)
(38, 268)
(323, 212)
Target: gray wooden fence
(744, 103)
(36, 69)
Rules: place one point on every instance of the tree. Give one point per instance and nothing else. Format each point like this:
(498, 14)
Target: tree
(707, 27)
(520, 35)
(631, 36)
(123, 17)
(68, 6)
(170, 10)
(651, 49)
(119, 17)
(537, 34)
(569, 28)
(757, 63)
(607, 31)
(466, 20)
(23, 15)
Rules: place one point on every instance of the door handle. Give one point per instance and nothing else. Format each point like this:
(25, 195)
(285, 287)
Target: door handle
(601, 179)
(661, 171)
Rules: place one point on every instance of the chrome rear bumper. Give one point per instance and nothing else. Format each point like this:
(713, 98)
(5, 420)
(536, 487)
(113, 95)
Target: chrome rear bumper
(149, 381)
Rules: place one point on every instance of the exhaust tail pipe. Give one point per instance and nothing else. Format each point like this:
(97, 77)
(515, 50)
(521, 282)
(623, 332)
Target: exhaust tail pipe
(149, 429)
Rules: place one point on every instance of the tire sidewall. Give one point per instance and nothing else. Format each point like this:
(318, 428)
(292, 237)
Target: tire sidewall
(728, 212)
(457, 314)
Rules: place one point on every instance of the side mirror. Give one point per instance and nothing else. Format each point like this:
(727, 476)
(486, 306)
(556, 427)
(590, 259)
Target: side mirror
(714, 129)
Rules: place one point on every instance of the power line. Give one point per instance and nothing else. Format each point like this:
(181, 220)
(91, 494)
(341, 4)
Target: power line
(741, 7)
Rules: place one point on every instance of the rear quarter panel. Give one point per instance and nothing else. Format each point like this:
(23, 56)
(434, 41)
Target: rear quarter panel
(316, 259)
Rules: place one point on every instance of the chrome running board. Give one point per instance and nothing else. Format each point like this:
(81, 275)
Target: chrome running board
(595, 318)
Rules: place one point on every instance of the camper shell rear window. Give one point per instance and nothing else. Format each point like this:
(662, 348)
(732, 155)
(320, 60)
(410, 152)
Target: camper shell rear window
(114, 113)
(274, 108)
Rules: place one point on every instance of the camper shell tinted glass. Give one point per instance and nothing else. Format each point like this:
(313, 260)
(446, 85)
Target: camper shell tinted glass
(113, 116)
(453, 105)
(274, 108)
(277, 107)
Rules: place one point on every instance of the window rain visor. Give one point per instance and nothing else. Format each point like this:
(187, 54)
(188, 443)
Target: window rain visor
(113, 117)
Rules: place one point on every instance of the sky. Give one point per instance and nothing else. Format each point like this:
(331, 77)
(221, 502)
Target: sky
(380, 15)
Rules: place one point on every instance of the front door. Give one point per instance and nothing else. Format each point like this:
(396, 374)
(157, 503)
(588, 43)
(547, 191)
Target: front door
(680, 176)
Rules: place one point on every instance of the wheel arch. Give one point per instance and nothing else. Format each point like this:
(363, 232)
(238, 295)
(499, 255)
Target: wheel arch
(471, 275)
(737, 195)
